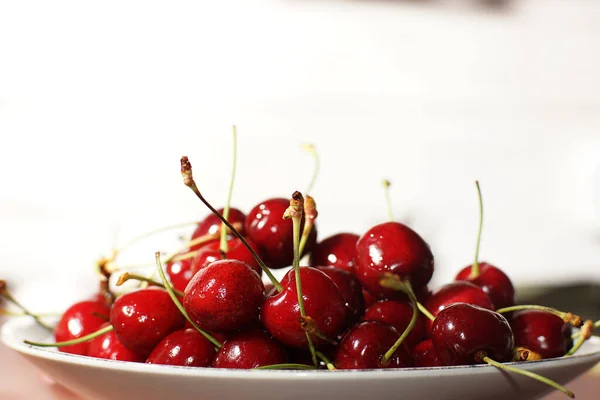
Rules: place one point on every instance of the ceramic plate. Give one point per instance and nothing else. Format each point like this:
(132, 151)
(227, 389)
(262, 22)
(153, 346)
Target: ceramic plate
(102, 379)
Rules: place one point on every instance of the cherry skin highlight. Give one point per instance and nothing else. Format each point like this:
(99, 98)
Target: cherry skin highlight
(463, 334)
(350, 290)
(224, 296)
(542, 332)
(80, 320)
(397, 314)
(364, 346)
(274, 235)
(141, 319)
(108, 347)
(212, 224)
(323, 302)
(180, 273)
(250, 349)
(395, 248)
(336, 251)
(495, 283)
(186, 348)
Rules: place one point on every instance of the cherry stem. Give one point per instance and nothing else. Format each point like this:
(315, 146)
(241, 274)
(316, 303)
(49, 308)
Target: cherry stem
(392, 281)
(9, 313)
(295, 212)
(188, 180)
(567, 317)
(152, 233)
(524, 354)
(386, 189)
(127, 276)
(328, 363)
(528, 374)
(425, 311)
(171, 292)
(310, 214)
(584, 334)
(82, 339)
(309, 148)
(224, 247)
(287, 366)
(595, 326)
(475, 267)
(6, 294)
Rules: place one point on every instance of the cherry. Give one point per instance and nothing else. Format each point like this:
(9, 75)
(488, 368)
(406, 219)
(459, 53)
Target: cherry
(141, 319)
(323, 303)
(392, 247)
(185, 347)
(456, 292)
(80, 319)
(107, 346)
(212, 224)
(237, 251)
(369, 299)
(463, 334)
(397, 314)
(250, 349)
(424, 355)
(180, 273)
(350, 290)
(364, 345)
(542, 332)
(274, 235)
(495, 283)
(336, 251)
(224, 296)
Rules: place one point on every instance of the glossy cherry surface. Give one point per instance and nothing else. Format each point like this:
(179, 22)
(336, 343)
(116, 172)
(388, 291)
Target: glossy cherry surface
(495, 283)
(323, 302)
(395, 248)
(273, 235)
(337, 251)
(185, 347)
(79, 320)
(211, 252)
(423, 355)
(250, 349)
(463, 333)
(542, 332)
(212, 224)
(141, 319)
(180, 273)
(364, 346)
(351, 291)
(108, 347)
(224, 296)
(397, 314)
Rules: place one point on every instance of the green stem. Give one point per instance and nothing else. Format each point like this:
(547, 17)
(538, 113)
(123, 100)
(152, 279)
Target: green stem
(82, 339)
(530, 375)
(475, 267)
(595, 326)
(386, 188)
(286, 366)
(568, 318)
(311, 149)
(328, 363)
(179, 306)
(224, 247)
(154, 232)
(425, 311)
(127, 276)
(6, 294)
(585, 333)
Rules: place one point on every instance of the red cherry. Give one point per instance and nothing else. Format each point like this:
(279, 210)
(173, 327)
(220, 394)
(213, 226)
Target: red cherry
(323, 302)
(224, 296)
(180, 273)
(237, 251)
(212, 224)
(456, 292)
(392, 247)
(185, 347)
(494, 283)
(336, 251)
(364, 346)
(397, 314)
(274, 235)
(141, 319)
(424, 355)
(463, 334)
(350, 290)
(369, 299)
(108, 347)
(250, 349)
(79, 320)
(542, 332)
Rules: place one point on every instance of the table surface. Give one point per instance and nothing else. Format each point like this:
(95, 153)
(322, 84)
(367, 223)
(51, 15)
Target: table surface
(19, 380)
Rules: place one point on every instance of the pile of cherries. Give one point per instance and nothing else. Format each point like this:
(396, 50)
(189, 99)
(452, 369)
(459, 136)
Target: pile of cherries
(363, 302)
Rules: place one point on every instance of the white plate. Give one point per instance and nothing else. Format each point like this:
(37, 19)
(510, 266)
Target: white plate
(102, 379)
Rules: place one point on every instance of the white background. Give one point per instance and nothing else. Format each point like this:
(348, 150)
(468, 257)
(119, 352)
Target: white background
(99, 100)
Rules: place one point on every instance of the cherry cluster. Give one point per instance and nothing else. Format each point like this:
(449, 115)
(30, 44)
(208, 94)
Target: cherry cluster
(362, 302)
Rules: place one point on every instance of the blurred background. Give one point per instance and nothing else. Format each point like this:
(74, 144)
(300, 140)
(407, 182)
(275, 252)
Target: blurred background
(98, 101)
